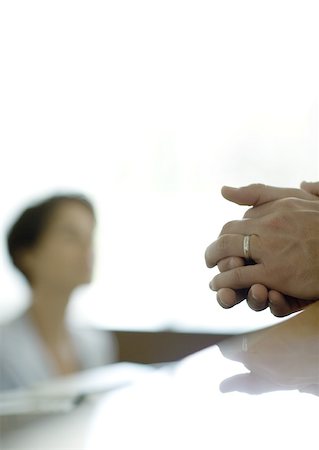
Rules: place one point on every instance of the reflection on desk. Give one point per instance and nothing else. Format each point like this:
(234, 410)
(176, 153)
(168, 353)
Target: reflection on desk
(258, 390)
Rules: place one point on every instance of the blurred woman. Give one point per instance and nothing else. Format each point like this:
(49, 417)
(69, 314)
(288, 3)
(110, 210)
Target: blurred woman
(51, 243)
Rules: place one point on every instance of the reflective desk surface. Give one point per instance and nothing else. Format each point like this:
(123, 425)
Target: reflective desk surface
(259, 390)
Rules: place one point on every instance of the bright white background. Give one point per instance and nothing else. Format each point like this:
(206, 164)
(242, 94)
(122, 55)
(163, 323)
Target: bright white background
(149, 107)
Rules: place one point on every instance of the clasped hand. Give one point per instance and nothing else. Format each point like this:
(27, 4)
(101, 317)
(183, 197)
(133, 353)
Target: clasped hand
(284, 245)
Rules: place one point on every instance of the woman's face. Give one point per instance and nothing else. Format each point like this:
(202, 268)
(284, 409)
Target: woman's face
(63, 257)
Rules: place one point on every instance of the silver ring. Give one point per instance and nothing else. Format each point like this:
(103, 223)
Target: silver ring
(244, 344)
(246, 247)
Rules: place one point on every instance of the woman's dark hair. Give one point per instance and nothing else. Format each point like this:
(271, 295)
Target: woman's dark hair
(27, 229)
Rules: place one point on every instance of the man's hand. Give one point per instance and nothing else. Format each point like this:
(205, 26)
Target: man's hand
(263, 198)
(284, 245)
(259, 194)
(258, 297)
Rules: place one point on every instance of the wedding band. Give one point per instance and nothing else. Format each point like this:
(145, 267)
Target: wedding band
(246, 247)
(244, 344)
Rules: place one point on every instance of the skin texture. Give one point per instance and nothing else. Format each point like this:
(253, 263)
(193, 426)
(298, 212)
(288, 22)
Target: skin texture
(284, 225)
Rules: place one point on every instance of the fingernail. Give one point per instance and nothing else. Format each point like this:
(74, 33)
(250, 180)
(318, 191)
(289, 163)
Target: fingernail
(221, 302)
(229, 187)
(253, 294)
(212, 285)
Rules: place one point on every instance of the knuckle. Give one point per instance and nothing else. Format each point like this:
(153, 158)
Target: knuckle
(235, 261)
(229, 263)
(231, 227)
(257, 186)
(288, 203)
(227, 227)
(279, 221)
(223, 265)
(222, 243)
(238, 277)
(249, 213)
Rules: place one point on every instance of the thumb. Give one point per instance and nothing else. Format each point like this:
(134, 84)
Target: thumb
(310, 187)
(258, 194)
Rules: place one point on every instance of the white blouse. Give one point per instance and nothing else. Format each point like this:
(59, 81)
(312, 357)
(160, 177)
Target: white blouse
(24, 360)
